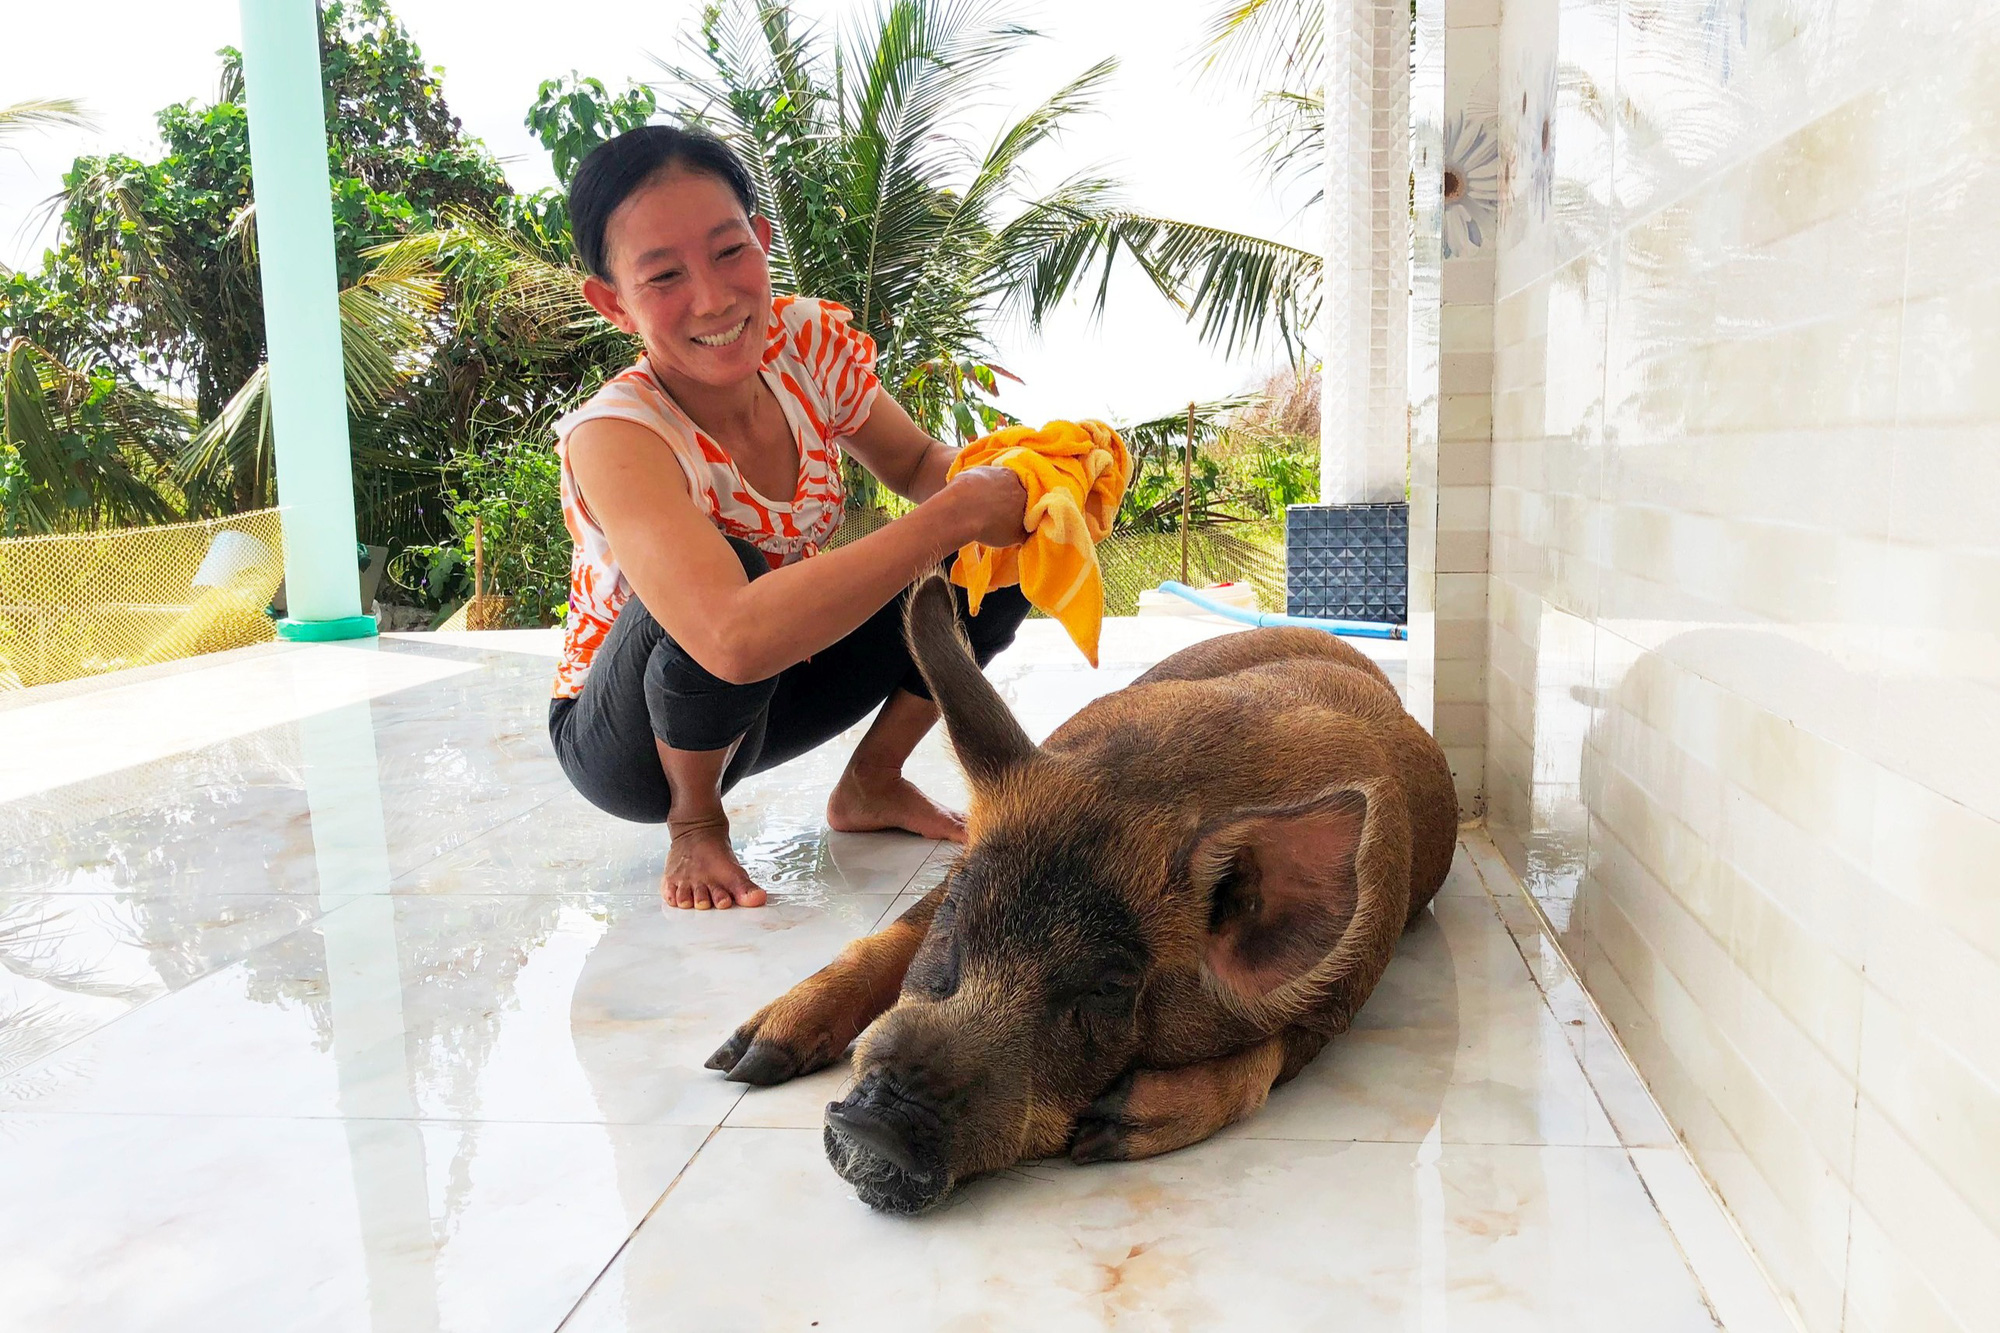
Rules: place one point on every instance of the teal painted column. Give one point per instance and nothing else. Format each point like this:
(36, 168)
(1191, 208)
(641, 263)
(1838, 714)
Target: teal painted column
(281, 80)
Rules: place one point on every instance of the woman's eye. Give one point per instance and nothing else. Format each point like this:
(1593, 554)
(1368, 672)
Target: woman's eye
(732, 252)
(667, 276)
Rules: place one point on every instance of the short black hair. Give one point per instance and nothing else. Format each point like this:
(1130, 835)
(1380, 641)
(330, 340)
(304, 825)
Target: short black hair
(619, 166)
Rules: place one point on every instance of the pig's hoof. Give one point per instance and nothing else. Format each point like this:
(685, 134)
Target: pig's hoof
(727, 1054)
(764, 1064)
(1103, 1134)
(744, 1058)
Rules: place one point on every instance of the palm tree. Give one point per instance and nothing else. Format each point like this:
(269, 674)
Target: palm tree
(41, 113)
(81, 447)
(384, 335)
(876, 200)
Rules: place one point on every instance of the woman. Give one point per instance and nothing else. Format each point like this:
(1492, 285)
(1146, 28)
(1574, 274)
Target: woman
(709, 637)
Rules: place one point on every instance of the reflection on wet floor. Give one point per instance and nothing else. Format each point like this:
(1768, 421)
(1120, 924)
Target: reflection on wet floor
(359, 1018)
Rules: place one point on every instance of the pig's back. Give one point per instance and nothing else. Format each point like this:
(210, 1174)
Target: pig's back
(1268, 718)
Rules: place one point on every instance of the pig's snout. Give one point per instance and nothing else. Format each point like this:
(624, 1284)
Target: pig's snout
(889, 1142)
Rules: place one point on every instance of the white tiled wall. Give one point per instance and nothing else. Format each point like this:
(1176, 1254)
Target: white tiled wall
(1456, 156)
(1741, 678)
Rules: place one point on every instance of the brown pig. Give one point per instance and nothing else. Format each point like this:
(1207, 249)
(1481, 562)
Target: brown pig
(1161, 912)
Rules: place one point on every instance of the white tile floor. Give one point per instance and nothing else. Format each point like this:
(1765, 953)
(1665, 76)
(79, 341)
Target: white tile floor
(324, 1004)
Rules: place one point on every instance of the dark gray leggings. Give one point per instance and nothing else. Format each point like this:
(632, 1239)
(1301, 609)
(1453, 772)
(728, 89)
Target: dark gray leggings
(642, 684)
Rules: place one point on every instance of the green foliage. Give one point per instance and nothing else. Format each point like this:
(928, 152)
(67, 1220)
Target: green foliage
(515, 491)
(573, 115)
(1251, 457)
(1280, 476)
(159, 257)
(876, 200)
(80, 447)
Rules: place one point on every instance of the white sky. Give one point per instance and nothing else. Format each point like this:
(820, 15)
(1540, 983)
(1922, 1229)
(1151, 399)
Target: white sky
(1184, 146)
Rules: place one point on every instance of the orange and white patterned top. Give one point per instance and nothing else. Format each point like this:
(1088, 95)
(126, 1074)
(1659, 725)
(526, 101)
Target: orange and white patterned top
(822, 371)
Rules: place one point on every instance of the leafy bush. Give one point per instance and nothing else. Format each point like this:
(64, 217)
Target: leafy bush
(515, 494)
(1253, 455)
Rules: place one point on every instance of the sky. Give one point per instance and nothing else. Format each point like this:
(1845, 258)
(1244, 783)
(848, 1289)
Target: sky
(1183, 144)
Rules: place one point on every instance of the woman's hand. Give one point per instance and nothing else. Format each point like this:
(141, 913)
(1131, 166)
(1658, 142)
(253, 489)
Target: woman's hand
(993, 503)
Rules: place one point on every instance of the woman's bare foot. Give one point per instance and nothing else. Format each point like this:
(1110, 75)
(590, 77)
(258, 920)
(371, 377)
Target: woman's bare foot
(869, 800)
(703, 872)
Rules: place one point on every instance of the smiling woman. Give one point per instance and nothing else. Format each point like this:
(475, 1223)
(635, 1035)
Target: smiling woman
(708, 637)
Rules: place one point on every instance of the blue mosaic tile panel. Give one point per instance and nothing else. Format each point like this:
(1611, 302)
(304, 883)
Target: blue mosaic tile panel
(1348, 562)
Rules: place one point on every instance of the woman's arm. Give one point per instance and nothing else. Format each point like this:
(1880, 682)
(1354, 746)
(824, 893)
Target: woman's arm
(895, 449)
(745, 630)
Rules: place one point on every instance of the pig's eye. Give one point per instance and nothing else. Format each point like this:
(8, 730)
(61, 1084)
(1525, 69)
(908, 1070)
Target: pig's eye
(1112, 994)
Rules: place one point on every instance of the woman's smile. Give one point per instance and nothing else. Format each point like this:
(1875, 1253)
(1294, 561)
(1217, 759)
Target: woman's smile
(724, 338)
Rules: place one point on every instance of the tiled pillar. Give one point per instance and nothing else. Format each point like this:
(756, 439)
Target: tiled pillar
(1363, 436)
(1455, 140)
(1345, 557)
(1426, 235)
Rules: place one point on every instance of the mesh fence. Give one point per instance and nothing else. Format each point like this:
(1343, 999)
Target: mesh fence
(1132, 561)
(80, 604)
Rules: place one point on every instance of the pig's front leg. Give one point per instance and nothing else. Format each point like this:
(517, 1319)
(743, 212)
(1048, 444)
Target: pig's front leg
(1151, 1111)
(811, 1025)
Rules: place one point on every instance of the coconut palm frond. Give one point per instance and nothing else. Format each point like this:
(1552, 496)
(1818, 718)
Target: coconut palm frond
(495, 273)
(1263, 43)
(1243, 286)
(1168, 433)
(1294, 137)
(44, 113)
(385, 319)
(1038, 258)
(85, 444)
(999, 171)
(235, 443)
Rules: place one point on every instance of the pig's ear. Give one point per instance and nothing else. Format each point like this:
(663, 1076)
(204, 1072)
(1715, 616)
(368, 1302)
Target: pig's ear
(988, 740)
(1293, 890)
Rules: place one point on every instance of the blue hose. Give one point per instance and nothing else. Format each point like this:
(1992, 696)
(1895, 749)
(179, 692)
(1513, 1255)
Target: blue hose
(1357, 629)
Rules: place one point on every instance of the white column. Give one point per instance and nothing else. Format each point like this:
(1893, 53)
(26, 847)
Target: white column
(1364, 424)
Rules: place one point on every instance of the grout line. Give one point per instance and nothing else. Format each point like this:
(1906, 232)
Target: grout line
(633, 1233)
(1625, 1149)
(1729, 1219)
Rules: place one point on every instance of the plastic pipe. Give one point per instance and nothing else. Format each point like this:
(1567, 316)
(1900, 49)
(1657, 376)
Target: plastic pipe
(282, 86)
(1355, 629)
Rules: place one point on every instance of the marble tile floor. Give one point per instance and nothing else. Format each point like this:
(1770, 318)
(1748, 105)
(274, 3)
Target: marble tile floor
(324, 1004)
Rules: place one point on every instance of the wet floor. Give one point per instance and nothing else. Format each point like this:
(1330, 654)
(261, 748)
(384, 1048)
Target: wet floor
(324, 1004)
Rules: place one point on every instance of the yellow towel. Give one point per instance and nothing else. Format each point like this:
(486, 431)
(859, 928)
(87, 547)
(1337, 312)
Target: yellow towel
(1075, 473)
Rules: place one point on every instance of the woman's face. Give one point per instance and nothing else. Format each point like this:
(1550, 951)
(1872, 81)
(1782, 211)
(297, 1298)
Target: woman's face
(690, 276)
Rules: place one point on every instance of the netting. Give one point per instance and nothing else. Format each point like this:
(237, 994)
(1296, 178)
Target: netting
(79, 604)
(1132, 561)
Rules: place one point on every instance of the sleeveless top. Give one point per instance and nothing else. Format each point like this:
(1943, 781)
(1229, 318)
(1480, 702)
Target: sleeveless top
(822, 371)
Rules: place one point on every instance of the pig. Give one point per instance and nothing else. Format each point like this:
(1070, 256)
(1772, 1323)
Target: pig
(1160, 913)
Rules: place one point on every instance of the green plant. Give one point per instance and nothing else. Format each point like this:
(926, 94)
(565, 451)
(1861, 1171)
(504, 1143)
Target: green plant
(573, 115)
(512, 495)
(157, 270)
(80, 446)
